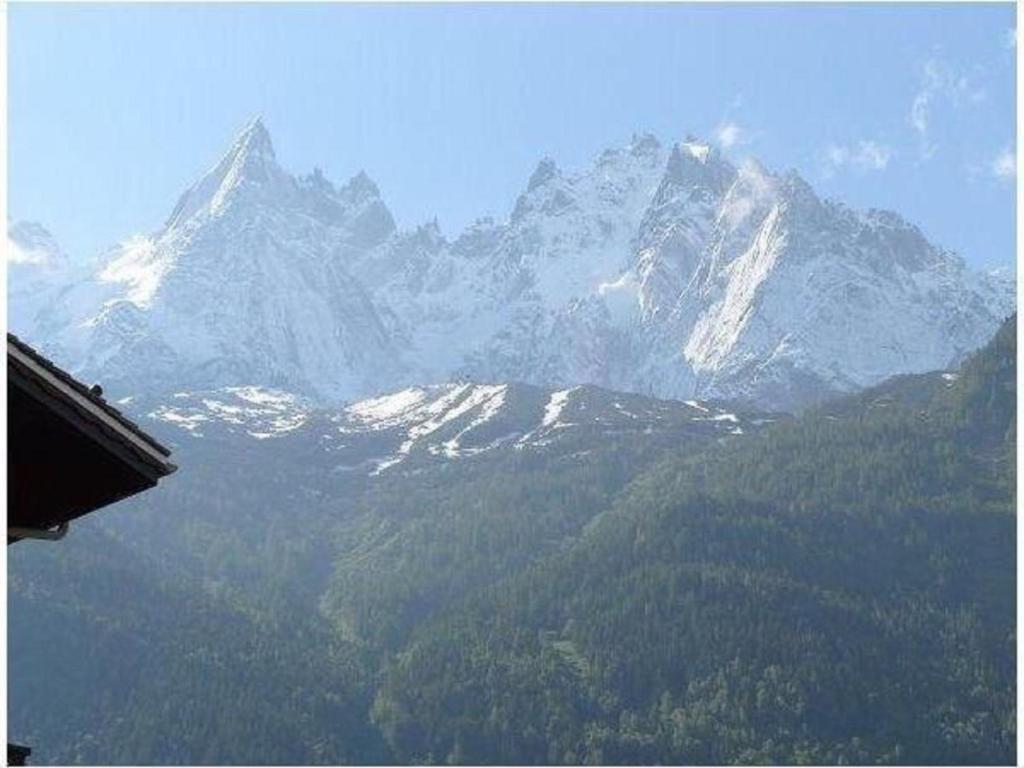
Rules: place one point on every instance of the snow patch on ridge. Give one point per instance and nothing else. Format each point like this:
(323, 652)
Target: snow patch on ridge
(190, 421)
(259, 412)
(556, 404)
(424, 417)
(381, 412)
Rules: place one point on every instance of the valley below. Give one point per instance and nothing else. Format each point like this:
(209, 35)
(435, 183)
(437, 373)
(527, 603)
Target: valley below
(503, 574)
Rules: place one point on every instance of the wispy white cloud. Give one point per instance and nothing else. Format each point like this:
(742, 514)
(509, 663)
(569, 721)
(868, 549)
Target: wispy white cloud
(1004, 165)
(732, 132)
(939, 83)
(863, 156)
(728, 134)
(1010, 38)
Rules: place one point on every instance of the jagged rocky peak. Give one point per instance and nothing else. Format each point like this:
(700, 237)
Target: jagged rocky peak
(544, 172)
(700, 151)
(479, 239)
(249, 164)
(318, 182)
(544, 192)
(644, 144)
(364, 214)
(795, 186)
(656, 268)
(429, 234)
(253, 143)
(695, 164)
(249, 182)
(695, 177)
(356, 207)
(359, 188)
(681, 166)
(798, 194)
(250, 159)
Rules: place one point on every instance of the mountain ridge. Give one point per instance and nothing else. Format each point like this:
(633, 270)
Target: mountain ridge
(405, 431)
(659, 270)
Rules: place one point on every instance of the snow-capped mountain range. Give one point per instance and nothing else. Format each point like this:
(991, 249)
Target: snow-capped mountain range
(664, 270)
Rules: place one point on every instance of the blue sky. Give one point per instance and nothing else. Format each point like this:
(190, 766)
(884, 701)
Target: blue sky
(114, 110)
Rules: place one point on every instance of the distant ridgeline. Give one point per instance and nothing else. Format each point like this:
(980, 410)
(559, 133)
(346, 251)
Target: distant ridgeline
(516, 574)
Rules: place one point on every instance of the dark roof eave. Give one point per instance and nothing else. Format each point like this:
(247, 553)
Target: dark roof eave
(90, 405)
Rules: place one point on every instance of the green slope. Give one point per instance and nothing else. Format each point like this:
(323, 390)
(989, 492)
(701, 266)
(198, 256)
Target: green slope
(838, 589)
(835, 588)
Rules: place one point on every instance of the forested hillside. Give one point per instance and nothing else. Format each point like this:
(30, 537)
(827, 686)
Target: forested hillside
(839, 589)
(833, 588)
(240, 614)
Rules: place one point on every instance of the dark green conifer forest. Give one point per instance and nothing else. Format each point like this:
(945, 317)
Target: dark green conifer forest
(837, 588)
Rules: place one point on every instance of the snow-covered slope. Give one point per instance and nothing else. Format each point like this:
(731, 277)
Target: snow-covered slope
(401, 429)
(248, 280)
(659, 270)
